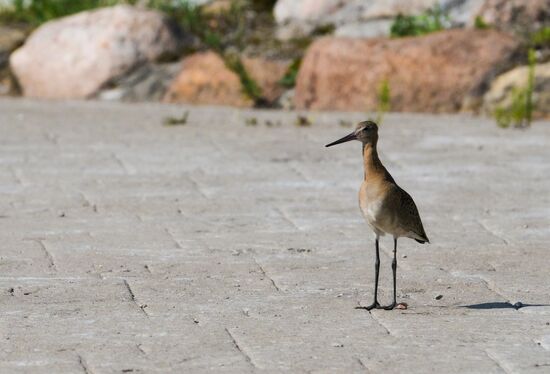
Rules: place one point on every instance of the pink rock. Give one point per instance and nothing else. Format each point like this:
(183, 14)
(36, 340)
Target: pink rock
(204, 79)
(75, 56)
(440, 72)
(267, 74)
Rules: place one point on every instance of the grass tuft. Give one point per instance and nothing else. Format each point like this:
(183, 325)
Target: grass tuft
(250, 87)
(541, 38)
(177, 121)
(480, 24)
(289, 79)
(432, 20)
(36, 12)
(384, 100)
(520, 111)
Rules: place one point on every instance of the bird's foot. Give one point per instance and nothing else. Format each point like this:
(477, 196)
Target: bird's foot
(370, 307)
(390, 307)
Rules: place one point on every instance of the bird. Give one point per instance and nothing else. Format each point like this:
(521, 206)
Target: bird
(386, 207)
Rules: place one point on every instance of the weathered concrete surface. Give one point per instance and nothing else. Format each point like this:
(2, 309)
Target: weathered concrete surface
(127, 246)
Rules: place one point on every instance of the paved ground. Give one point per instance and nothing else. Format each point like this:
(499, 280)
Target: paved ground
(129, 246)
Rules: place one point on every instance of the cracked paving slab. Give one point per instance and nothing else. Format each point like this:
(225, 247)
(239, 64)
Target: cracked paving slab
(128, 246)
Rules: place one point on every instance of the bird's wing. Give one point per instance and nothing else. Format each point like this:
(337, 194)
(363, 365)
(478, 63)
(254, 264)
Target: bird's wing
(409, 217)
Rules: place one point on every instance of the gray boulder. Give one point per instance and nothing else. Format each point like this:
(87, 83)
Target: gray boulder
(146, 83)
(363, 19)
(501, 92)
(75, 56)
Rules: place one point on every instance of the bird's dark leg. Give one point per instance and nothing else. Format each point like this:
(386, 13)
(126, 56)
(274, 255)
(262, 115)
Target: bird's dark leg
(394, 269)
(375, 304)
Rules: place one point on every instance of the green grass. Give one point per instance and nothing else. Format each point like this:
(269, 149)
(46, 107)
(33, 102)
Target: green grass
(263, 5)
(480, 24)
(289, 79)
(383, 97)
(225, 32)
(250, 87)
(303, 121)
(384, 100)
(430, 21)
(541, 38)
(217, 31)
(177, 121)
(520, 111)
(36, 12)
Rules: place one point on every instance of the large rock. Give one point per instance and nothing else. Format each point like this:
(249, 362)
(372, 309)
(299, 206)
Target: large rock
(305, 10)
(391, 8)
(433, 73)
(462, 12)
(361, 29)
(501, 92)
(148, 82)
(74, 57)
(297, 18)
(372, 19)
(267, 74)
(204, 79)
(359, 18)
(324, 11)
(517, 15)
(194, 3)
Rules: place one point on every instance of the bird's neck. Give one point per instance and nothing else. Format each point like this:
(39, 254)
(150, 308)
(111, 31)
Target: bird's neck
(371, 162)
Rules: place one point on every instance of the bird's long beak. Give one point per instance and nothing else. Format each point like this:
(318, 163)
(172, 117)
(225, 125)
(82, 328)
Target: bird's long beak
(346, 138)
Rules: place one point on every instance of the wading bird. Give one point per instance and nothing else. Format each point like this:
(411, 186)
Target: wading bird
(387, 208)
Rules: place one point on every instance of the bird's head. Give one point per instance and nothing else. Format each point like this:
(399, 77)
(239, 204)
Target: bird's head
(365, 132)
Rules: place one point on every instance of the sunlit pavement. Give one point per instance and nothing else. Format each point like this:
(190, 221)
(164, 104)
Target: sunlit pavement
(130, 246)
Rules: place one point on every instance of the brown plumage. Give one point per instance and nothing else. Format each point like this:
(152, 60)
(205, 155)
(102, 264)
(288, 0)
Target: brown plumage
(387, 208)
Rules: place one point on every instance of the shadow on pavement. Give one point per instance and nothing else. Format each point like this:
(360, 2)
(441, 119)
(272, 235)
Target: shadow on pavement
(501, 305)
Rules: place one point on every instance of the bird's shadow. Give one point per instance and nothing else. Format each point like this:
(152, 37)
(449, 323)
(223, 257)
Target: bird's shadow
(501, 305)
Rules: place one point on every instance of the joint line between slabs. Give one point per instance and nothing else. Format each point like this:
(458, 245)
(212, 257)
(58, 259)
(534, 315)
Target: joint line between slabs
(138, 347)
(52, 138)
(128, 170)
(83, 365)
(362, 364)
(236, 344)
(49, 257)
(497, 362)
(484, 227)
(287, 219)
(17, 176)
(491, 287)
(133, 298)
(197, 187)
(380, 323)
(267, 276)
(178, 245)
(299, 172)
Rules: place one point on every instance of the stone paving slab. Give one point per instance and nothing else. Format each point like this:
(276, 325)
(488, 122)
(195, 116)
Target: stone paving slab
(131, 247)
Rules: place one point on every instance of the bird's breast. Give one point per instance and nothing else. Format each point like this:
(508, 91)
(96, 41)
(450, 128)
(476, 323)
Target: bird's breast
(370, 203)
(373, 203)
